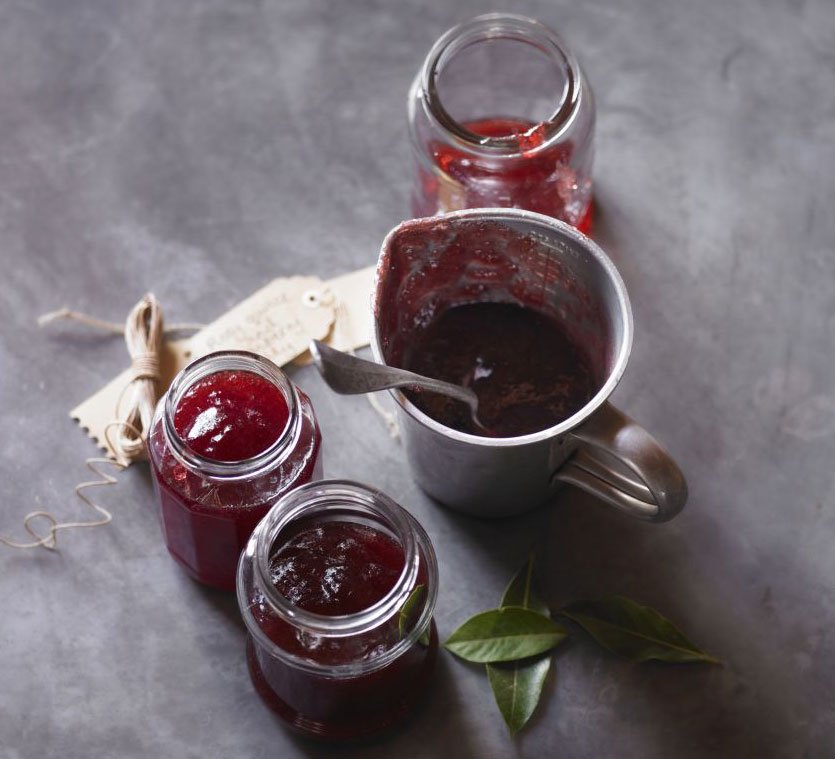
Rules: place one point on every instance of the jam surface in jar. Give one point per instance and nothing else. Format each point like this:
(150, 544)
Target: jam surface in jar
(540, 180)
(341, 643)
(527, 373)
(227, 444)
(231, 415)
(336, 568)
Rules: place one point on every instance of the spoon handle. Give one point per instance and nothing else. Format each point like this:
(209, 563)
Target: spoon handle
(349, 375)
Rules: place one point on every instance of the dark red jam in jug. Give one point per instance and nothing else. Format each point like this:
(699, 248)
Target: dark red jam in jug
(527, 372)
(337, 586)
(231, 435)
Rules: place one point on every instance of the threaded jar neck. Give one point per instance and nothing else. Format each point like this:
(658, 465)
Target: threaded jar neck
(534, 55)
(338, 500)
(228, 471)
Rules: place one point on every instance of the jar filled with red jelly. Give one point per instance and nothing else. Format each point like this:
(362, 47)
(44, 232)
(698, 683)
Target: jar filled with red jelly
(337, 587)
(501, 115)
(231, 435)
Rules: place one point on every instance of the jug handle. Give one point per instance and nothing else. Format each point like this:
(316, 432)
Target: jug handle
(619, 462)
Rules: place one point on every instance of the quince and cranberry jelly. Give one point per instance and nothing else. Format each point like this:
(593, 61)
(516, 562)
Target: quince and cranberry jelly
(337, 587)
(539, 180)
(231, 415)
(336, 568)
(501, 115)
(230, 436)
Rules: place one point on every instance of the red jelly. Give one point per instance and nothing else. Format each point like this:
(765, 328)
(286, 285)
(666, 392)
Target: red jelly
(540, 180)
(231, 415)
(231, 435)
(337, 586)
(501, 115)
(336, 568)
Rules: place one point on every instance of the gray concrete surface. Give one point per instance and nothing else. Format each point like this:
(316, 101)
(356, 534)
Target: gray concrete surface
(198, 149)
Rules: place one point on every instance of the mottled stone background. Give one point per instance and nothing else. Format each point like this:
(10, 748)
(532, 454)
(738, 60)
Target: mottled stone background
(200, 148)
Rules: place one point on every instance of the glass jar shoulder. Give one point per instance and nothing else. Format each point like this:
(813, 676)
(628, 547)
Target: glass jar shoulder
(363, 651)
(208, 493)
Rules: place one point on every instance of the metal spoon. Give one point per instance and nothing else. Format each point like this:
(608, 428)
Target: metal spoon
(349, 375)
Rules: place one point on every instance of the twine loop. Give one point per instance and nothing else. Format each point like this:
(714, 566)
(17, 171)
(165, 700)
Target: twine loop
(145, 366)
(127, 433)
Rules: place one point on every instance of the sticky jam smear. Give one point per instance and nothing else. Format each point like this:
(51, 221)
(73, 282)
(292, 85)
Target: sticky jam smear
(336, 567)
(231, 415)
(529, 135)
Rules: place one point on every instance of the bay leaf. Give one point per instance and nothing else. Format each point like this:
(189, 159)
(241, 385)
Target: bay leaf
(517, 686)
(520, 591)
(505, 634)
(637, 632)
(409, 612)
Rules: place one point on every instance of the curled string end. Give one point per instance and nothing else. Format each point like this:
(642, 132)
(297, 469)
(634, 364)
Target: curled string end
(143, 331)
(61, 313)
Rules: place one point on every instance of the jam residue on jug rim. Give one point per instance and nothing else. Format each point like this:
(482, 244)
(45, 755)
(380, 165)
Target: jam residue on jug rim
(475, 302)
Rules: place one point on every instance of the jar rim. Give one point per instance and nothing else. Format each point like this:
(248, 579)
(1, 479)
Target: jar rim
(494, 26)
(368, 502)
(229, 361)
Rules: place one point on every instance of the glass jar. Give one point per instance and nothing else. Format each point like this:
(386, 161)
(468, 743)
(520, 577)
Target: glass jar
(345, 658)
(500, 115)
(210, 504)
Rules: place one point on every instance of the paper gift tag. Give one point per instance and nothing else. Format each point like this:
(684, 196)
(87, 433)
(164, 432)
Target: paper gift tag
(278, 321)
(352, 299)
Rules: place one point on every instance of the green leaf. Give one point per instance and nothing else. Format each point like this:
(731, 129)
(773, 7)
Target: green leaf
(520, 591)
(517, 686)
(505, 635)
(634, 631)
(409, 610)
